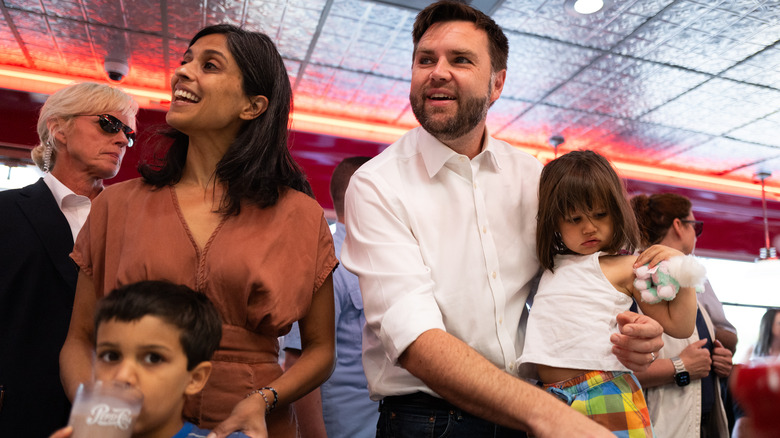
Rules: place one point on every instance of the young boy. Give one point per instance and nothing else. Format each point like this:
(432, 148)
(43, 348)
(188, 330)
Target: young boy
(159, 338)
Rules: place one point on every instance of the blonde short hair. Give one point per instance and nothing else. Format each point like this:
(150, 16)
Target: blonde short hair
(80, 98)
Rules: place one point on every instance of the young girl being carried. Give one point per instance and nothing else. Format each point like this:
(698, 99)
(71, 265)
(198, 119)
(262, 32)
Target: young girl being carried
(584, 224)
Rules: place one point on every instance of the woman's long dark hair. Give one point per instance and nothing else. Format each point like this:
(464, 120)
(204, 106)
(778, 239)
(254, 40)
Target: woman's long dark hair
(765, 333)
(258, 164)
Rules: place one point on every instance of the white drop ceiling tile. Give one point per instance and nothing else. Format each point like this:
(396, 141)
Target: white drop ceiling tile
(341, 26)
(635, 46)
(378, 34)
(24, 5)
(721, 153)
(387, 16)
(767, 11)
(396, 64)
(648, 8)
(331, 49)
(296, 33)
(144, 15)
(184, 18)
(504, 111)
(684, 13)
(29, 24)
(763, 131)
(766, 34)
(148, 49)
(658, 31)
(68, 9)
(347, 80)
(264, 17)
(741, 29)
(719, 106)
(520, 7)
(105, 12)
(363, 56)
(625, 24)
(350, 8)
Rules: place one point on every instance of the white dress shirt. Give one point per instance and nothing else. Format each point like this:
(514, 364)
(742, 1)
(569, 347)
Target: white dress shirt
(439, 241)
(74, 207)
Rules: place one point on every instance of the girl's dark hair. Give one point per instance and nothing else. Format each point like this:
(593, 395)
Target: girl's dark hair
(258, 164)
(581, 181)
(765, 333)
(656, 213)
(191, 312)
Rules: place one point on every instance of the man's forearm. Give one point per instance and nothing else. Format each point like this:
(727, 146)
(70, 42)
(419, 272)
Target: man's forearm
(466, 379)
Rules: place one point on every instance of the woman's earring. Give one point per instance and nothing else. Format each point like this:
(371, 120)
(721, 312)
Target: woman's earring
(47, 150)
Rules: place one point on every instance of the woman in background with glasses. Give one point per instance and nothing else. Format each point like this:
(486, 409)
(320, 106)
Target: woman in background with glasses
(229, 213)
(84, 131)
(682, 387)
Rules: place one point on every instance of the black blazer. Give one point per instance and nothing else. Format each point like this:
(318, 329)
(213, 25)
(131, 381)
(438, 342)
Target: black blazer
(37, 287)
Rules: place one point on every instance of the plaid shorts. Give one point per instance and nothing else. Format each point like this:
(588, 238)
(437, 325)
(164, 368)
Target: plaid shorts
(612, 399)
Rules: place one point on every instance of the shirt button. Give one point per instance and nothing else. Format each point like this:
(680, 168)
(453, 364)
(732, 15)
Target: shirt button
(511, 367)
(484, 229)
(493, 274)
(462, 158)
(475, 185)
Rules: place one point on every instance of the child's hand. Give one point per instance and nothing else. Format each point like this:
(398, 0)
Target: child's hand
(655, 255)
(65, 432)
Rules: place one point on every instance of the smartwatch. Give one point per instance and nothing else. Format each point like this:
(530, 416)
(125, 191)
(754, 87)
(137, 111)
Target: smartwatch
(681, 376)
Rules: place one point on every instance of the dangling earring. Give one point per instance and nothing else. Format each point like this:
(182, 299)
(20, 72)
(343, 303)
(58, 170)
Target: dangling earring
(47, 149)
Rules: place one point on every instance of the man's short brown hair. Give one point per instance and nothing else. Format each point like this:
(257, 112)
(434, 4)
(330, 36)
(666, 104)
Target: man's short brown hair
(447, 10)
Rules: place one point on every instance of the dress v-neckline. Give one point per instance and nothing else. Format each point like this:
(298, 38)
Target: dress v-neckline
(200, 252)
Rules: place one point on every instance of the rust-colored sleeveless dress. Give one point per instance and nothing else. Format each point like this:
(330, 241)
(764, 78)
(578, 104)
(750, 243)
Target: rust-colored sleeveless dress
(259, 268)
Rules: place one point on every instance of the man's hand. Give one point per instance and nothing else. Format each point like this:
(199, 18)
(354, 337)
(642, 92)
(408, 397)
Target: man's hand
(697, 359)
(721, 360)
(639, 336)
(248, 416)
(562, 421)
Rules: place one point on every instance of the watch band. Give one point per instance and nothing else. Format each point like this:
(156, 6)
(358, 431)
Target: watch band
(681, 376)
(679, 365)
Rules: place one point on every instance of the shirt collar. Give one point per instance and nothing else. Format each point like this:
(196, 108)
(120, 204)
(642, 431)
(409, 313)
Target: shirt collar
(435, 154)
(58, 189)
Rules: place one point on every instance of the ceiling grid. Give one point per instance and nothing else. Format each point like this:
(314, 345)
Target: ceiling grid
(692, 85)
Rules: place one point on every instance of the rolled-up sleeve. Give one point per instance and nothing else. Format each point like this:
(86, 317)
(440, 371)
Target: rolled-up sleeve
(381, 249)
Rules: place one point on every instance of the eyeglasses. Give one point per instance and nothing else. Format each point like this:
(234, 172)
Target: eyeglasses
(112, 125)
(698, 226)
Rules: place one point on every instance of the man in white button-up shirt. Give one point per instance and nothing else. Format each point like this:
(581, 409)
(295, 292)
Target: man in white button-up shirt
(440, 231)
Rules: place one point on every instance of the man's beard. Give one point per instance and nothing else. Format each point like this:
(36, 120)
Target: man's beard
(470, 113)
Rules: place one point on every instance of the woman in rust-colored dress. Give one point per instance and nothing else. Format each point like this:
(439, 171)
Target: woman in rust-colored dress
(228, 213)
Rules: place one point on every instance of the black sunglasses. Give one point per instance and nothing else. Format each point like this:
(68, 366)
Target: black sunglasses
(698, 226)
(112, 125)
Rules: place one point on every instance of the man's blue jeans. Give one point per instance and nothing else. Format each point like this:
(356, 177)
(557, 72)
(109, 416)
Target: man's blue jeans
(422, 415)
